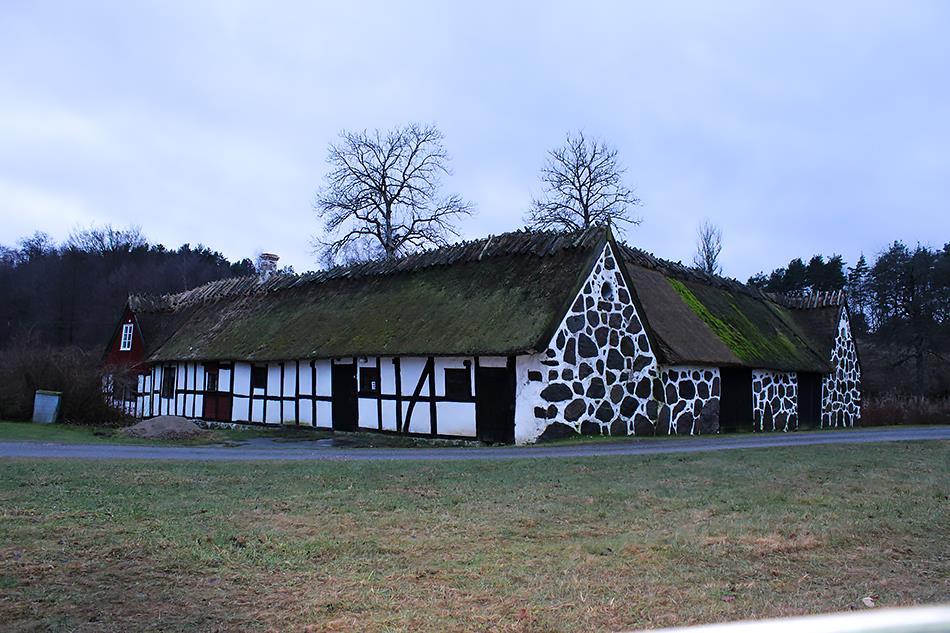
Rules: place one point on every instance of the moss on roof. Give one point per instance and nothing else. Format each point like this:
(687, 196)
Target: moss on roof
(501, 295)
(756, 330)
(702, 319)
(503, 304)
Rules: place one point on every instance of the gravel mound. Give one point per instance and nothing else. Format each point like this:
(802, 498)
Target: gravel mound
(164, 427)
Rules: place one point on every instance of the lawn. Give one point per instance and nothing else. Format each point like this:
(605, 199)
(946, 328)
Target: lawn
(520, 545)
(77, 434)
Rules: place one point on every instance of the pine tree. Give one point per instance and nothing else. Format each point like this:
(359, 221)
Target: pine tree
(859, 295)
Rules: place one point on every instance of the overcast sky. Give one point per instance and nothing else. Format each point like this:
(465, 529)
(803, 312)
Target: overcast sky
(798, 127)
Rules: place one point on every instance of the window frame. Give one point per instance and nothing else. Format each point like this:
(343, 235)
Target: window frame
(370, 375)
(456, 383)
(125, 342)
(212, 372)
(169, 382)
(256, 372)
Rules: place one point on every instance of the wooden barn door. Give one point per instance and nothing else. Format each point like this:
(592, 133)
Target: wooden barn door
(495, 404)
(343, 391)
(809, 400)
(735, 400)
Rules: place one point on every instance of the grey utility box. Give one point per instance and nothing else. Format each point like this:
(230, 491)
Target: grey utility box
(46, 406)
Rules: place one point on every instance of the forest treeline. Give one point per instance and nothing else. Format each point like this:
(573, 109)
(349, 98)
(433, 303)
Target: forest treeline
(899, 304)
(72, 293)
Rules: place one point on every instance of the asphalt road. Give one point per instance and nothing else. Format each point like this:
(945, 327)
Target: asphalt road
(267, 450)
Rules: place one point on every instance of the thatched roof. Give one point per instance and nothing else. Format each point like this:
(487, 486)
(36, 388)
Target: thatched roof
(500, 295)
(704, 319)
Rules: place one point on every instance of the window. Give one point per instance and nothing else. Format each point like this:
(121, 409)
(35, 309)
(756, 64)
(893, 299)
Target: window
(369, 380)
(458, 384)
(259, 377)
(126, 343)
(211, 379)
(169, 374)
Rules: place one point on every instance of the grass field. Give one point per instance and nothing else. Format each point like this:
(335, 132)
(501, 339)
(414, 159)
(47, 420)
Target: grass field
(520, 545)
(78, 434)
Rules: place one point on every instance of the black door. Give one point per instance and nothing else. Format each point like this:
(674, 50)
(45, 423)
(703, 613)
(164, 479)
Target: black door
(343, 391)
(495, 404)
(735, 400)
(809, 399)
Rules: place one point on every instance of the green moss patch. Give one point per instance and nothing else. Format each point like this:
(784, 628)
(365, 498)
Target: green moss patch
(749, 327)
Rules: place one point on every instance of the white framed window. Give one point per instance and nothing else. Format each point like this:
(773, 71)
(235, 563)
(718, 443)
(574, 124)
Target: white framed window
(126, 343)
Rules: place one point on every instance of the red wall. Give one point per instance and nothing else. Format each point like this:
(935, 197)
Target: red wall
(132, 357)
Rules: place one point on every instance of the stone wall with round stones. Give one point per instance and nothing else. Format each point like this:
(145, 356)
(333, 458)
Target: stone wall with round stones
(599, 374)
(774, 400)
(690, 401)
(841, 389)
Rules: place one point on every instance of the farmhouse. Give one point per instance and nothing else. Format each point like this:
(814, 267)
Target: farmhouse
(510, 338)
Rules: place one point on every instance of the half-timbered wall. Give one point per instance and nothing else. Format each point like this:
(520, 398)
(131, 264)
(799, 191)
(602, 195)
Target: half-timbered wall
(411, 396)
(841, 389)
(774, 400)
(599, 373)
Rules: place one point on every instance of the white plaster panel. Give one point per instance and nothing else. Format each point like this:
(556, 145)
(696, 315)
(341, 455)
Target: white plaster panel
(290, 411)
(368, 417)
(324, 415)
(306, 411)
(389, 415)
(420, 417)
(456, 418)
(273, 379)
(324, 373)
(242, 378)
(273, 412)
(304, 378)
(387, 375)
(257, 411)
(411, 369)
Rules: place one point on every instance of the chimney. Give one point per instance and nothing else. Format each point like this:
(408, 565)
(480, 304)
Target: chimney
(267, 265)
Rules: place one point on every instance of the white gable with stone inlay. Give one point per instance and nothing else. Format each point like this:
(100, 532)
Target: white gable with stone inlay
(599, 373)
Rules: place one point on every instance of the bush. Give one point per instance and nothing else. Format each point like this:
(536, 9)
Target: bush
(896, 409)
(29, 365)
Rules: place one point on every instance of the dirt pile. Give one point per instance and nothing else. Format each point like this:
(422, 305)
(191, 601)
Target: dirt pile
(164, 427)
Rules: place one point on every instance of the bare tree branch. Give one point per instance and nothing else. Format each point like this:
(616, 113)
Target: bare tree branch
(708, 248)
(583, 187)
(381, 195)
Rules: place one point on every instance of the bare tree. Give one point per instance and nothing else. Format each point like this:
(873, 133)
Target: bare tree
(583, 187)
(708, 247)
(381, 196)
(106, 240)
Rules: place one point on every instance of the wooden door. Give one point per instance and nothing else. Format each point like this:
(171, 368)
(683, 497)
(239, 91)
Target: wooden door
(495, 404)
(216, 405)
(809, 400)
(735, 400)
(343, 391)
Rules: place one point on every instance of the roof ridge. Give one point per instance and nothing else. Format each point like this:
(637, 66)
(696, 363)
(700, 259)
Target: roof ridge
(681, 271)
(809, 301)
(819, 299)
(520, 242)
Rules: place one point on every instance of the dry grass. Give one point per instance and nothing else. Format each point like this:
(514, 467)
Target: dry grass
(528, 545)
